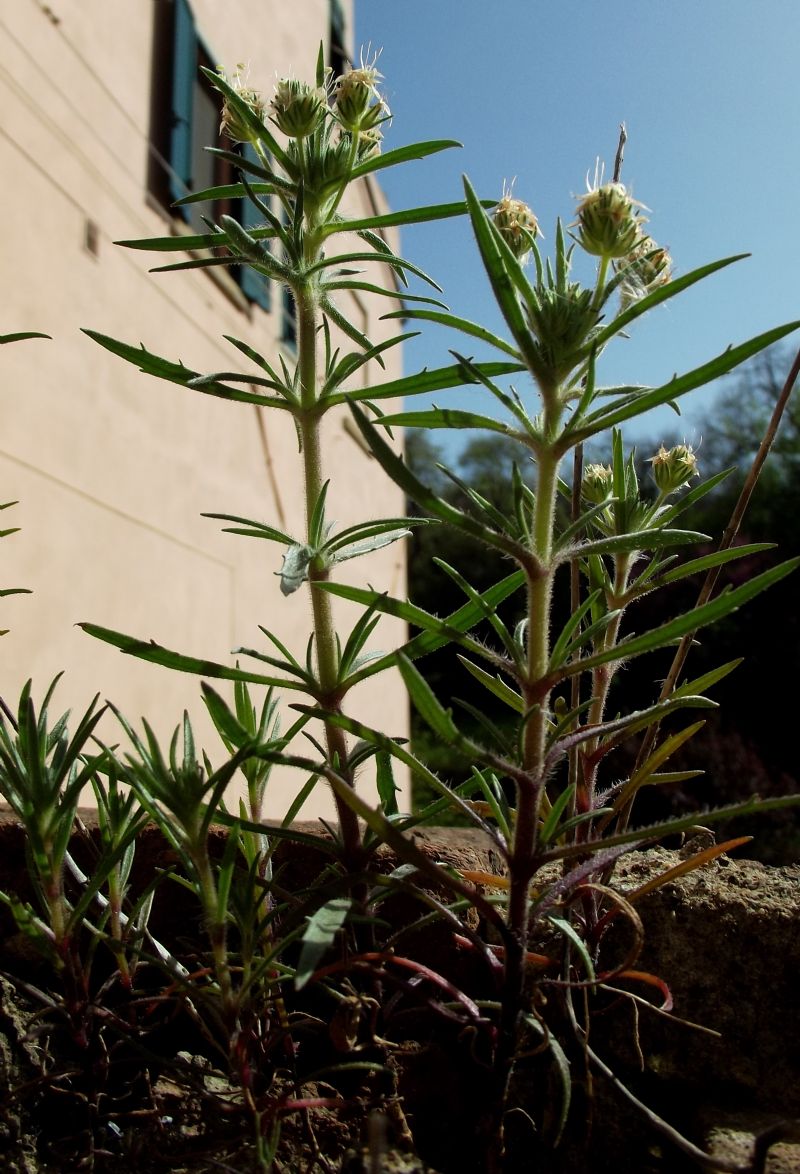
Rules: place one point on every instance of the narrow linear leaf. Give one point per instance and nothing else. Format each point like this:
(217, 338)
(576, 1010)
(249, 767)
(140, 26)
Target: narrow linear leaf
(671, 827)
(698, 617)
(428, 706)
(446, 418)
(402, 216)
(495, 685)
(680, 385)
(654, 539)
(438, 379)
(157, 654)
(403, 155)
(21, 335)
(248, 526)
(686, 866)
(462, 324)
(700, 684)
(713, 560)
(319, 935)
(576, 941)
(151, 364)
(461, 620)
(669, 290)
(493, 259)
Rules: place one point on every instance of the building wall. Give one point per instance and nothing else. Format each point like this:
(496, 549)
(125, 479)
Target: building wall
(112, 468)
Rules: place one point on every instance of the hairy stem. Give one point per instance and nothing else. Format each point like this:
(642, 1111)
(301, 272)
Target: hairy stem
(309, 421)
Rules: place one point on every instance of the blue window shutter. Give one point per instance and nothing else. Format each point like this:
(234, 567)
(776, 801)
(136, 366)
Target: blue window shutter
(255, 285)
(184, 67)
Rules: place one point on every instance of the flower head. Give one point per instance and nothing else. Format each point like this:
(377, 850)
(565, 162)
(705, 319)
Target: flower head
(297, 107)
(608, 222)
(645, 268)
(596, 483)
(516, 224)
(358, 104)
(673, 468)
(233, 123)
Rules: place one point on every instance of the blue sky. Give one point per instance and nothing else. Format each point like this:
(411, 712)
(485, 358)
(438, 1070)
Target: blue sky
(535, 91)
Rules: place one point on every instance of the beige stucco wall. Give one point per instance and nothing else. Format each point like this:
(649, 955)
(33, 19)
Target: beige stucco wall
(112, 468)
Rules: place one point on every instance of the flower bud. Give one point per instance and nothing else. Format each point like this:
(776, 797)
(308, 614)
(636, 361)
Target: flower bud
(562, 321)
(297, 107)
(232, 123)
(607, 221)
(358, 105)
(674, 468)
(369, 142)
(645, 268)
(328, 164)
(517, 225)
(596, 483)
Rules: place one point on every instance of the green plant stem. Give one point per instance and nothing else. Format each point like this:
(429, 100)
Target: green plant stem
(603, 675)
(309, 420)
(216, 929)
(523, 857)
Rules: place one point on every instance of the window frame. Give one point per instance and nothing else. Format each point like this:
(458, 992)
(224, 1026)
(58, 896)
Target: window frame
(178, 52)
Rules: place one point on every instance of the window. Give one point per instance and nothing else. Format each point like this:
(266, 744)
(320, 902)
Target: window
(338, 56)
(185, 119)
(289, 322)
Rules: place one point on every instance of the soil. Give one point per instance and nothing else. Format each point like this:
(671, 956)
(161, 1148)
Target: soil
(725, 939)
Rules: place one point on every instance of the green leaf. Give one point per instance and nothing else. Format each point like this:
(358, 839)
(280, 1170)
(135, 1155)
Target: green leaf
(157, 654)
(425, 498)
(160, 368)
(21, 335)
(252, 529)
(576, 941)
(247, 116)
(712, 560)
(429, 708)
(202, 381)
(403, 610)
(446, 418)
(356, 549)
(700, 684)
(401, 216)
(387, 787)
(669, 290)
(490, 614)
(402, 155)
(390, 259)
(364, 530)
(550, 826)
(366, 287)
(235, 191)
(694, 495)
(494, 261)
(495, 685)
(679, 385)
(351, 363)
(562, 644)
(461, 324)
(654, 539)
(186, 242)
(461, 620)
(385, 743)
(294, 571)
(698, 617)
(319, 935)
(426, 381)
